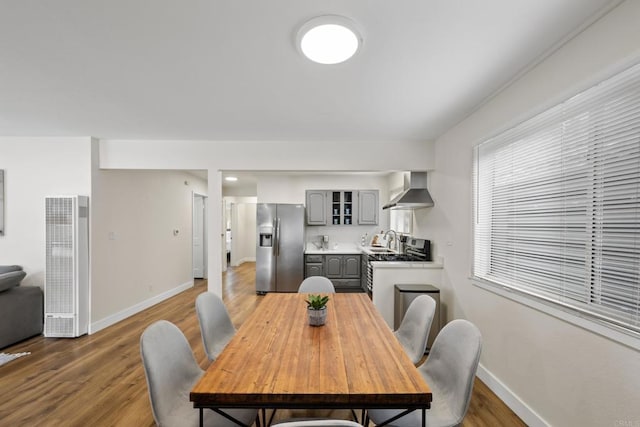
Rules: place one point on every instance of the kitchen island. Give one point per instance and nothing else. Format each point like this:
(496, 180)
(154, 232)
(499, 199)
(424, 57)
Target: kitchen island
(387, 274)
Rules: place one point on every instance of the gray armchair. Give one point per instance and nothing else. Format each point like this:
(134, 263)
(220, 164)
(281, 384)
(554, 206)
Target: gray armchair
(317, 284)
(172, 371)
(416, 324)
(449, 370)
(216, 327)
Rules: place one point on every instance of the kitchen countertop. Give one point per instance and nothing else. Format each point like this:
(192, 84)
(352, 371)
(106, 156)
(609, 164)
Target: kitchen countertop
(438, 263)
(352, 249)
(341, 248)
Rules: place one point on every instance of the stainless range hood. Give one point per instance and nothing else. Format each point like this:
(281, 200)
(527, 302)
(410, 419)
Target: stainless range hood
(415, 197)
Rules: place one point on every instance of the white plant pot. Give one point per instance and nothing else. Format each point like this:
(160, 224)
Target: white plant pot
(317, 317)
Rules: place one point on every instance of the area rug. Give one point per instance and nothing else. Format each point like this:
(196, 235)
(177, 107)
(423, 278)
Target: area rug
(8, 357)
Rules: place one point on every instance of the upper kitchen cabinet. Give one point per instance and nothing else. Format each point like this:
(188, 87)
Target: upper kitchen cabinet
(317, 207)
(368, 207)
(342, 207)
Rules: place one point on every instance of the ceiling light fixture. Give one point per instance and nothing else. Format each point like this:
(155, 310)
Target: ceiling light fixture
(231, 178)
(329, 39)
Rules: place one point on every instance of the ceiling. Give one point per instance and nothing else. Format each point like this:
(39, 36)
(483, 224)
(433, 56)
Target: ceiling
(229, 69)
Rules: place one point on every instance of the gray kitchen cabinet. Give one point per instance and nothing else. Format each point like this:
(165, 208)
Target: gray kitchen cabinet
(342, 269)
(343, 266)
(342, 207)
(348, 285)
(368, 207)
(313, 269)
(316, 206)
(313, 265)
(334, 266)
(351, 266)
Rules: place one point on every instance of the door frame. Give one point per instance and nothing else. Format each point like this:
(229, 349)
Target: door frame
(205, 246)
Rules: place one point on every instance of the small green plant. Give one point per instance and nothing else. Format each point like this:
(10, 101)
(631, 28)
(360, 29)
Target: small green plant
(317, 302)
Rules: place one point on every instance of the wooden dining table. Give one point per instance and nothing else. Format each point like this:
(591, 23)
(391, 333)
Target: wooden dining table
(277, 360)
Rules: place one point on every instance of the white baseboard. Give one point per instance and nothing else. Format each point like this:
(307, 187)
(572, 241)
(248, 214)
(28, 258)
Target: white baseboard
(243, 260)
(128, 312)
(528, 415)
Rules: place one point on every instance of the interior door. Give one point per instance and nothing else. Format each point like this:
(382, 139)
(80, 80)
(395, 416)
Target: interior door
(198, 231)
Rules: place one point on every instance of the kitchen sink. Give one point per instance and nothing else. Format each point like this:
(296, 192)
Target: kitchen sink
(380, 250)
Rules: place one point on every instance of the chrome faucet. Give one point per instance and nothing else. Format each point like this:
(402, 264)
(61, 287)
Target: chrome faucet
(395, 239)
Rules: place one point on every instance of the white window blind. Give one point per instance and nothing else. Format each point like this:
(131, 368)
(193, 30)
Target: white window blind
(557, 204)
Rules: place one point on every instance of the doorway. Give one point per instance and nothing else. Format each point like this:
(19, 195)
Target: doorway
(199, 236)
(239, 238)
(228, 235)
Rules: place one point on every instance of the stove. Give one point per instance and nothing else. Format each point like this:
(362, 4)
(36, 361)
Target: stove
(416, 250)
(394, 257)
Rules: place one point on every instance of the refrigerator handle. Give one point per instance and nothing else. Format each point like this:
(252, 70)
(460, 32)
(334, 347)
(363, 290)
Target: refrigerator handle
(274, 247)
(278, 237)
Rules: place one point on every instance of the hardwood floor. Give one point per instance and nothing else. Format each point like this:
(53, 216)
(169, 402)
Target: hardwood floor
(97, 380)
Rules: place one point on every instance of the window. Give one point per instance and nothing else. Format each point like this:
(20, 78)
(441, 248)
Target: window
(557, 205)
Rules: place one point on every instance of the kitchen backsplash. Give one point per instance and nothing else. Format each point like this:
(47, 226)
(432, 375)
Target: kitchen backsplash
(341, 234)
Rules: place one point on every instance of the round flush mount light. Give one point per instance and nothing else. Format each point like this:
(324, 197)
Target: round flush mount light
(329, 39)
(231, 178)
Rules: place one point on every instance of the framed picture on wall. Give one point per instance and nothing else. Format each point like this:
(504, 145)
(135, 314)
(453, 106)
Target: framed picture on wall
(1, 202)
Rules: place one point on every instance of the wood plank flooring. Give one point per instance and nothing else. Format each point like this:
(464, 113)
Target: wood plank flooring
(97, 380)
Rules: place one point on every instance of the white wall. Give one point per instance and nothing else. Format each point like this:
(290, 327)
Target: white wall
(216, 156)
(136, 258)
(243, 244)
(141, 208)
(241, 214)
(36, 168)
(566, 375)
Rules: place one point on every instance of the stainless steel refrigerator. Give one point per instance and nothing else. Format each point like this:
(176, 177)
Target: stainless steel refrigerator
(279, 248)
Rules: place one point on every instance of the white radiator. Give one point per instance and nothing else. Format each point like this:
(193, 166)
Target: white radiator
(66, 286)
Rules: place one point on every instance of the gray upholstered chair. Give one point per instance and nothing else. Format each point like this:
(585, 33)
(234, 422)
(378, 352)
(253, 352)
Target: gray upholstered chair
(317, 284)
(172, 371)
(215, 324)
(449, 370)
(318, 423)
(413, 332)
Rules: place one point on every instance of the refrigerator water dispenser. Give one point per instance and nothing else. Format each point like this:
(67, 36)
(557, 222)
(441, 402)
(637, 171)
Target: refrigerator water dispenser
(266, 237)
